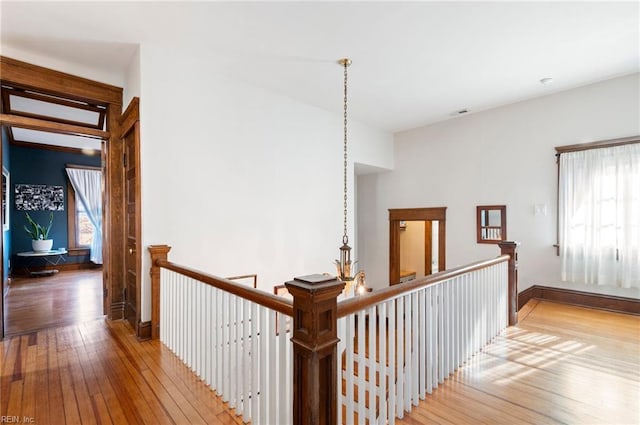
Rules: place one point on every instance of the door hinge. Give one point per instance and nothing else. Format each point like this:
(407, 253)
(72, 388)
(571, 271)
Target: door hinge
(105, 292)
(124, 160)
(124, 294)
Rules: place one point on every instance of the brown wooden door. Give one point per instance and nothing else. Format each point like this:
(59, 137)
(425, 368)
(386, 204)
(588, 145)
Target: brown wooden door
(131, 141)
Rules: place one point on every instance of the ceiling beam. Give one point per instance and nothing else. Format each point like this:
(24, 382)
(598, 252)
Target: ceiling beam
(52, 127)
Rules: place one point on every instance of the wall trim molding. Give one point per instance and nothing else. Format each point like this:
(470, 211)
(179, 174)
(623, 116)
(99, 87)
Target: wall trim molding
(143, 331)
(117, 310)
(580, 298)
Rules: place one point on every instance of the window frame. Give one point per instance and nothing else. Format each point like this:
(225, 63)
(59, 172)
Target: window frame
(73, 247)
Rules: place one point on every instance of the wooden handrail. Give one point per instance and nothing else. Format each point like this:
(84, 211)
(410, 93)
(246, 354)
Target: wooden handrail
(245, 276)
(265, 299)
(355, 304)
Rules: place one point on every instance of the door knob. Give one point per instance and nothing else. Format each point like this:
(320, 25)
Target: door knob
(131, 251)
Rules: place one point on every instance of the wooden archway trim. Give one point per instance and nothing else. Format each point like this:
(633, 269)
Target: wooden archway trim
(428, 215)
(44, 80)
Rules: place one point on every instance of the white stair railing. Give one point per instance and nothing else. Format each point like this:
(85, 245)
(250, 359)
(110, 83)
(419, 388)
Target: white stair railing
(231, 343)
(416, 339)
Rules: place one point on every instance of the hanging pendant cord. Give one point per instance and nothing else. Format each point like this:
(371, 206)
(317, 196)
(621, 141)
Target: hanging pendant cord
(345, 237)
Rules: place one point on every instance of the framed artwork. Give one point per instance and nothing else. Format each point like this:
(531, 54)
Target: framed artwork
(39, 197)
(5, 199)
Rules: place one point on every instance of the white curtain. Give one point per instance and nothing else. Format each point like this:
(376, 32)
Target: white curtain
(88, 187)
(599, 216)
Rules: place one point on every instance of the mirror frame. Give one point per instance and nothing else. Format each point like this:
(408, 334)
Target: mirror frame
(503, 223)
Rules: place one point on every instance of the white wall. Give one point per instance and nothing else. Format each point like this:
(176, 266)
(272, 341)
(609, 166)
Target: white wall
(499, 156)
(240, 180)
(96, 73)
(412, 247)
(132, 82)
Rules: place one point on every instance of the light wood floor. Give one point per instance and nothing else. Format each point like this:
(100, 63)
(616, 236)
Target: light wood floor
(65, 298)
(561, 364)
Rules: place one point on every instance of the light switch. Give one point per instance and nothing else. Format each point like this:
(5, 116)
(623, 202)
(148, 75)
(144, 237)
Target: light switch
(540, 209)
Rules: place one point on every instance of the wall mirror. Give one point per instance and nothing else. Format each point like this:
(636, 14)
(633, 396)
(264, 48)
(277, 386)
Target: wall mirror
(491, 223)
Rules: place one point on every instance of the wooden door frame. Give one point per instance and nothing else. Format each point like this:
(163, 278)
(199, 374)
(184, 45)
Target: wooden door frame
(130, 121)
(427, 215)
(27, 76)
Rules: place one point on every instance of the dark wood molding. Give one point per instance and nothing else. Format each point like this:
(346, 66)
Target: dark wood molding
(117, 310)
(510, 248)
(28, 76)
(7, 92)
(525, 296)
(51, 126)
(78, 251)
(315, 342)
(130, 116)
(143, 331)
(503, 223)
(580, 298)
(23, 75)
(157, 252)
(428, 248)
(418, 214)
(113, 254)
(396, 215)
(597, 145)
(54, 148)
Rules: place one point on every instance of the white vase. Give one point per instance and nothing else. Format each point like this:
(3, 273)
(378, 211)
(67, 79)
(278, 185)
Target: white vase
(39, 245)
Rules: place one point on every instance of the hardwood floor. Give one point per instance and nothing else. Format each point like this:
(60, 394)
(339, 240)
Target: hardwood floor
(99, 373)
(65, 298)
(561, 364)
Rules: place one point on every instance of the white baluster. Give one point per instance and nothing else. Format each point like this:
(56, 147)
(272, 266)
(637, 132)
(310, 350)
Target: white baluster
(400, 344)
(415, 332)
(373, 363)
(393, 362)
(384, 335)
(430, 360)
(422, 356)
(264, 366)
(282, 368)
(361, 367)
(350, 406)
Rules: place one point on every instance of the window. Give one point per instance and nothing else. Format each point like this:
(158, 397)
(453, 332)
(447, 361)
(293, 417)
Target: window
(79, 228)
(599, 214)
(84, 228)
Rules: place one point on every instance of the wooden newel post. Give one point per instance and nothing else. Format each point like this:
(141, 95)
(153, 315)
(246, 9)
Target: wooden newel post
(158, 252)
(315, 340)
(511, 249)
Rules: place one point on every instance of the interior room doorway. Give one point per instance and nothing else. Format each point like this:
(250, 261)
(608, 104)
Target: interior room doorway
(39, 86)
(417, 242)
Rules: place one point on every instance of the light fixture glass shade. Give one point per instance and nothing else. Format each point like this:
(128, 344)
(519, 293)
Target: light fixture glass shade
(344, 264)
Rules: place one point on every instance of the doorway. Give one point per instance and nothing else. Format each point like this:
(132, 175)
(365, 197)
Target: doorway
(417, 243)
(40, 84)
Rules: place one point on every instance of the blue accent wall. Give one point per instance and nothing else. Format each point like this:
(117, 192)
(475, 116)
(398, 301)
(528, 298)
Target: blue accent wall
(42, 166)
(6, 236)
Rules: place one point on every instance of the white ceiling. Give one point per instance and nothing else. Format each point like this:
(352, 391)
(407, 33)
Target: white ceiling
(413, 63)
